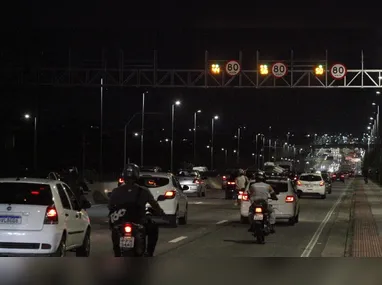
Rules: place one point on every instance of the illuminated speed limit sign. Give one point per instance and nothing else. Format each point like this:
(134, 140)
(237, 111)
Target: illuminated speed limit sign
(338, 71)
(232, 68)
(279, 69)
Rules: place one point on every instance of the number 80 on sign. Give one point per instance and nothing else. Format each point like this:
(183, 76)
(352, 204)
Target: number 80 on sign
(279, 69)
(338, 71)
(232, 68)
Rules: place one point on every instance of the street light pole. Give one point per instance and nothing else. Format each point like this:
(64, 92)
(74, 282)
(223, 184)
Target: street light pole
(35, 144)
(143, 125)
(172, 134)
(212, 140)
(238, 145)
(195, 126)
(101, 135)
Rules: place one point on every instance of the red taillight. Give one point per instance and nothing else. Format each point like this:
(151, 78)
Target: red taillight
(170, 194)
(258, 210)
(35, 192)
(245, 197)
(241, 193)
(322, 183)
(231, 183)
(51, 216)
(128, 229)
(299, 183)
(197, 181)
(289, 199)
(342, 176)
(224, 178)
(120, 180)
(334, 176)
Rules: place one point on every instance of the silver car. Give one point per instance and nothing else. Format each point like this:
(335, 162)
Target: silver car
(192, 182)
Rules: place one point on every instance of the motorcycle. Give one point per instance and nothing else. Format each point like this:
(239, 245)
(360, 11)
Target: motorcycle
(132, 237)
(261, 226)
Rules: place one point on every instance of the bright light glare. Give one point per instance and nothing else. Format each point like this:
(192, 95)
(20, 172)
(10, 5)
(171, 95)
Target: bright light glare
(216, 117)
(27, 116)
(177, 103)
(199, 111)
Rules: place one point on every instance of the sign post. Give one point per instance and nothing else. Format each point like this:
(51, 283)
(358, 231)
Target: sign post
(279, 69)
(232, 68)
(338, 71)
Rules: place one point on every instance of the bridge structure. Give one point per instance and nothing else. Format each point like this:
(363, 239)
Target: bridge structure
(223, 73)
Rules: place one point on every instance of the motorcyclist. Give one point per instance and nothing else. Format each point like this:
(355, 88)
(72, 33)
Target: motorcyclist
(133, 198)
(259, 192)
(241, 182)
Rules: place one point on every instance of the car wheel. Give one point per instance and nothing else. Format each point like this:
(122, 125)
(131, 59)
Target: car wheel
(299, 192)
(61, 250)
(84, 250)
(183, 220)
(174, 219)
(243, 220)
(323, 196)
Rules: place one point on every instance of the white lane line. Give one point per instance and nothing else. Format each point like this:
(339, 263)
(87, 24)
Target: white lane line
(221, 222)
(309, 248)
(178, 239)
(197, 203)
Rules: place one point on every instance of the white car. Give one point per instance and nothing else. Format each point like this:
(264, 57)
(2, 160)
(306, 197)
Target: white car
(311, 184)
(287, 207)
(167, 190)
(41, 217)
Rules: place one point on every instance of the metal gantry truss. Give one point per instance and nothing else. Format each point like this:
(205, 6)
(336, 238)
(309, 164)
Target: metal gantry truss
(300, 75)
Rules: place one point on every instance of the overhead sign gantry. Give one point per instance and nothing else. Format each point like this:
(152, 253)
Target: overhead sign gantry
(229, 73)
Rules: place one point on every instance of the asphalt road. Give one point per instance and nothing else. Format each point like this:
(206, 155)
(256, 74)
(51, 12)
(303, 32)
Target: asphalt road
(213, 230)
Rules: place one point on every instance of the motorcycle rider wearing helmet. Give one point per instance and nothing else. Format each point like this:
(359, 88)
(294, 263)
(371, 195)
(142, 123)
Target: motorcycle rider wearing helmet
(133, 198)
(259, 192)
(241, 182)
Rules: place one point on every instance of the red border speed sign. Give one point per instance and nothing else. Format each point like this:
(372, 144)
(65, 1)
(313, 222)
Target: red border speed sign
(285, 72)
(340, 65)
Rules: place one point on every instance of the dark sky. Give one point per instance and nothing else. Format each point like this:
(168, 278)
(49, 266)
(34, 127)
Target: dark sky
(41, 32)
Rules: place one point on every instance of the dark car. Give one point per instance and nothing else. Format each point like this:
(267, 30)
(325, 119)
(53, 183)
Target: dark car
(338, 176)
(230, 186)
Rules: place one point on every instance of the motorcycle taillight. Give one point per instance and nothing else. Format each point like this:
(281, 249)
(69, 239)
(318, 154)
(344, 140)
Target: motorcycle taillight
(258, 210)
(128, 229)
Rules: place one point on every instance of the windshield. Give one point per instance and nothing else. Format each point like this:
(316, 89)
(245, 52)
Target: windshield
(279, 187)
(187, 174)
(153, 182)
(310, 178)
(25, 193)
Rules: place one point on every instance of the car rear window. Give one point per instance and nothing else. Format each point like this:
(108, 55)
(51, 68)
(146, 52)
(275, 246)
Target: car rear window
(25, 193)
(187, 174)
(153, 182)
(310, 178)
(279, 187)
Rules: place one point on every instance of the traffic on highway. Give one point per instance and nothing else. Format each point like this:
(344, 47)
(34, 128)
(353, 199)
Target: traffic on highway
(202, 213)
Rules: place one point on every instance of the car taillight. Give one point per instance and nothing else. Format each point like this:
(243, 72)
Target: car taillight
(289, 199)
(231, 183)
(51, 216)
(170, 194)
(245, 197)
(342, 176)
(224, 178)
(258, 210)
(120, 180)
(322, 183)
(295, 178)
(299, 183)
(35, 192)
(240, 195)
(197, 181)
(334, 176)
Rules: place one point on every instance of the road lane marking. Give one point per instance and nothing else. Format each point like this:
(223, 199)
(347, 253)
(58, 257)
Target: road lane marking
(197, 203)
(221, 222)
(309, 248)
(178, 239)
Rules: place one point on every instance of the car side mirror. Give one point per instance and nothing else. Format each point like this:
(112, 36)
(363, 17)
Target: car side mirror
(86, 204)
(161, 198)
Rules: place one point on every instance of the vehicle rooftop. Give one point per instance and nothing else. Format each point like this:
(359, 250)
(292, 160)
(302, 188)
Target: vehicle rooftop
(28, 180)
(156, 174)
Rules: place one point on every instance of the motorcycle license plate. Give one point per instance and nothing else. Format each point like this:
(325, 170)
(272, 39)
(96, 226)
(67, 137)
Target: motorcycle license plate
(258, 217)
(126, 242)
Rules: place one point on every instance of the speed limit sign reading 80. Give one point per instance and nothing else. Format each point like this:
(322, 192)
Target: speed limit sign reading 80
(232, 68)
(279, 69)
(338, 71)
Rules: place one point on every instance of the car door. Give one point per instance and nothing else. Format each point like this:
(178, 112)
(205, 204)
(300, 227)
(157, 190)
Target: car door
(181, 195)
(68, 214)
(80, 218)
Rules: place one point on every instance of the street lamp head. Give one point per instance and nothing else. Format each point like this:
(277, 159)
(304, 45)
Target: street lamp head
(27, 116)
(374, 104)
(136, 134)
(223, 149)
(368, 127)
(371, 118)
(177, 102)
(199, 111)
(378, 92)
(216, 117)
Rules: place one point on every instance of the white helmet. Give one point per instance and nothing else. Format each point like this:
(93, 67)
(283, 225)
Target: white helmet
(241, 171)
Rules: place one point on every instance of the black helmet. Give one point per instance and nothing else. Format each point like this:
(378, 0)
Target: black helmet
(259, 177)
(130, 172)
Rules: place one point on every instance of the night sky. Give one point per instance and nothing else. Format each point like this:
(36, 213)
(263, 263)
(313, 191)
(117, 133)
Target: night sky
(181, 32)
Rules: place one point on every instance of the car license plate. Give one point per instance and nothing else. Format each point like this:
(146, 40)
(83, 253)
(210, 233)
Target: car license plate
(10, 220)
(258, 217)
(126, 242)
